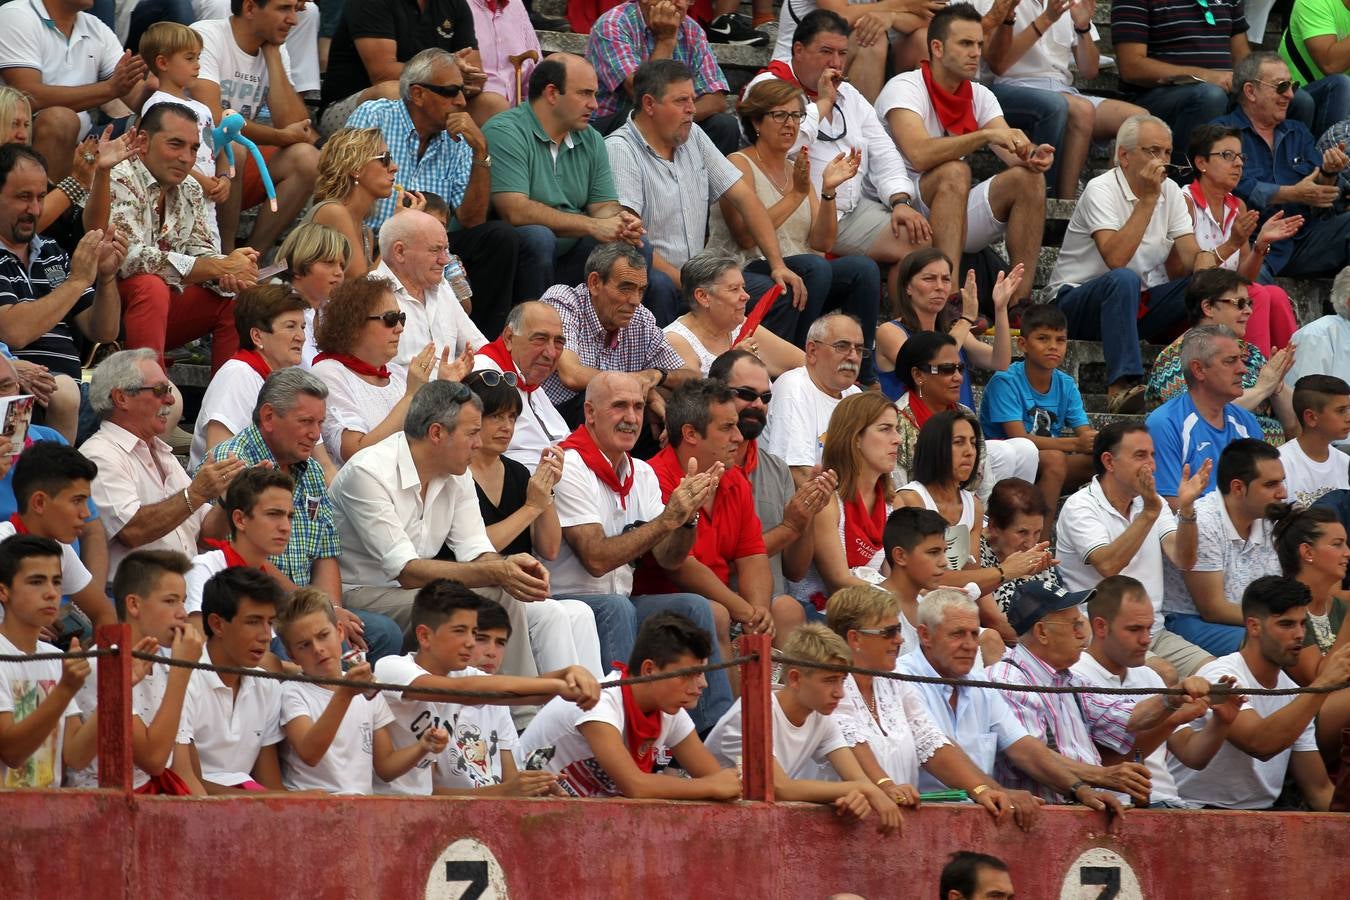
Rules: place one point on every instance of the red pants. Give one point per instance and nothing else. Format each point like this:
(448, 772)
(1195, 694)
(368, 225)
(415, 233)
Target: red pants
(155, 315)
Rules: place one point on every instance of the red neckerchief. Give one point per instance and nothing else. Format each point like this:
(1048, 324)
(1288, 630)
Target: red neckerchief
(255, 362)
(19, 527)
(922, 413)
(640, 729)
(498, 353)
(863, 529)
(780, 69)
(956, 111)
(1230, 204)
(359, 366)
(232, 557)
(582, 442)
(751, 457)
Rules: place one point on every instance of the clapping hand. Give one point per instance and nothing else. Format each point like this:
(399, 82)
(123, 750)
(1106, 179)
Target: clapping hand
(1193, 486)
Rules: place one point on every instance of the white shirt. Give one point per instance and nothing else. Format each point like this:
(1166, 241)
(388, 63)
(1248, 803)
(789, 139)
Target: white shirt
(354, 404)
(242, 77)
(907, 736)
(347, 766)
(23, 687)
(411, 718)
(581, 499)
(539, 424)
(229, 400)
(1322, 349)
(439, 320)
(310, 350)
(1306, 480)
(883, 171)
(1221, 549)
(384, 524)
(1050, 56)
(204, 566)
(802, 750)
(799, 417)
(558, 725)
(1106, 203)
(229, 729)
(1089, 522)
(907, 91)
(479, 736)
(132, 474)
(1233, 779)
(1093, 672)
(146, 698)
(32, 41)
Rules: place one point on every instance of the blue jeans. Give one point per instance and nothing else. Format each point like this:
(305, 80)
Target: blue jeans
(1322, 103)
(1212, 637)
(1042, 114)
(1183, 107)
(617, 619)
(1106, 309)
(382, 634)
(850, 283)
(540, 266)
(1322, 247)
(104, 11)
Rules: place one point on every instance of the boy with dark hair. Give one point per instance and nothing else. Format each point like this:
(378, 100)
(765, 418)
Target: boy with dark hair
(149, 592)
(444, 623)
(975, 876)
(490, 637)
(337, 739)
(51, 490)
(614, 748)
(40, 730)
(231, 723)
(805, 737)
(1312, 466)
(259, 505)
(1034, 399)
(916, 548)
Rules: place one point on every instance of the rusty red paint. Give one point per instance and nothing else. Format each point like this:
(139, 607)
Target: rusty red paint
(757, 718)
(114, 693)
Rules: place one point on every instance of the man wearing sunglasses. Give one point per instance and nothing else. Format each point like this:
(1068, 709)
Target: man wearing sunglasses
(1285, 172)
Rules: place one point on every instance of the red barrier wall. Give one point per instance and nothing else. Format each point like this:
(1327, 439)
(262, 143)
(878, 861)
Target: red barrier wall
(80, 844)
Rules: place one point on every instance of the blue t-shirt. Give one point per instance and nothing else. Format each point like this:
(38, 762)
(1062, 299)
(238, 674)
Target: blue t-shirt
(1009, 397)
(1181, 436)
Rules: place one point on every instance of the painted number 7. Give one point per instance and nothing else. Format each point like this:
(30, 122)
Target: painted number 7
(475, 873)
(1106, 876)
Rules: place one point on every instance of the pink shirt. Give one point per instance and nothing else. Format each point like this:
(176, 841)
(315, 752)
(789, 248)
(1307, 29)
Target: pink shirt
(503, 30)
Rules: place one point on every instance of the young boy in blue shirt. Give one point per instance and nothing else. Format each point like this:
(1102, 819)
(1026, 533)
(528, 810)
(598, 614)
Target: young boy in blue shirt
(1035, 400)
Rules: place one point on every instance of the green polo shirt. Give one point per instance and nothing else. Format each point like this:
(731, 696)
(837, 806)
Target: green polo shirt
(1311, 18)
(523, 163)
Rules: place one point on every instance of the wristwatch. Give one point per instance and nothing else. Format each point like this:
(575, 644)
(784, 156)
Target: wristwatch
(905, 200)
(485, 161)
(1073, 789)
(692, 523)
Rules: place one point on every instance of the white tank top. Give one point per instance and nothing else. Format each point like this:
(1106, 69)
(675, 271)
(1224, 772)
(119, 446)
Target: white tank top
(705, 356)
(958, 535)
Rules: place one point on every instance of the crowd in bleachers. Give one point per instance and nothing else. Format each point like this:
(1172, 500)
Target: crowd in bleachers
(534, 371)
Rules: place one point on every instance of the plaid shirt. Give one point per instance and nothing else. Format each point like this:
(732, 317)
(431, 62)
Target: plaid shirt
(641, 345)
(1072, 724)
(169, 247)
(620, 41)
(444, 169)
(313, 534)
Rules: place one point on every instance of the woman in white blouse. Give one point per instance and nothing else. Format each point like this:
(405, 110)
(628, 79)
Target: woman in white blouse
(885, 720)
(316, 256)
(358, 335)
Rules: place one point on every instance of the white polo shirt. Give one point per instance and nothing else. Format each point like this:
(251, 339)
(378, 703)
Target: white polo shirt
(1089, 522)
(229, 729)
(581, 499)
(907, 91)
(32, 41)
(229, 400)
(1049, 56)
(1221, 549)
(384, 523)
(1106, 203)
(439, 320)
(799, 417)
(539, 424)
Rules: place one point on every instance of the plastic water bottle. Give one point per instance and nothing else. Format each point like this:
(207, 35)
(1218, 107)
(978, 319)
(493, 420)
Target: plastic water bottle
(459, 279)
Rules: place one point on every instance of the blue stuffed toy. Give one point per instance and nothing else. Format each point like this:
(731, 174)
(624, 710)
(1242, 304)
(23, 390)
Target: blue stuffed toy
(230, 130)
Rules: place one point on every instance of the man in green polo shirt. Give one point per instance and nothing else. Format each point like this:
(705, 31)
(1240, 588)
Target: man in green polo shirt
(551, 177)
(1316, 47)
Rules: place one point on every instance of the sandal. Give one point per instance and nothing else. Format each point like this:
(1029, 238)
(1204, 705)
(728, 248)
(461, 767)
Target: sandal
(1128, 401)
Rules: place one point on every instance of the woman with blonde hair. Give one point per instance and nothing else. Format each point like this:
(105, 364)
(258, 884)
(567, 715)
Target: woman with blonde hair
(355, 169)
(317, 258)
(861, 444)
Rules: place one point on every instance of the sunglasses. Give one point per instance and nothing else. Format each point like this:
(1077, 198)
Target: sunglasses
(890, 632)
(442, 90)
(1280, 87)
(385, 159)
(750, 395)
(948, 369)
(492, 379)
(1235, 302)
(391, 318)
(160, 390)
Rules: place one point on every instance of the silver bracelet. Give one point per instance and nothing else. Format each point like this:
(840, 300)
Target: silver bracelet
(78, 193)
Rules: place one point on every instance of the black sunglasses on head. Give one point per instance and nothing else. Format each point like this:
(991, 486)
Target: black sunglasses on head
(391, 318)
(442, 90)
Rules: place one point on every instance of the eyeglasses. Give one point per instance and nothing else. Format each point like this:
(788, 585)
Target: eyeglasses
(890, 632)
(750, 395)
(442, 90)
(1280, 87)
(391, 318)
(1209, 16)
(1078, 625)
(1235, 302)
(782, 115)
(844, 348)
(159, 390)
(947, 369)
(492, 379)
(1228, 155)
(385, 159)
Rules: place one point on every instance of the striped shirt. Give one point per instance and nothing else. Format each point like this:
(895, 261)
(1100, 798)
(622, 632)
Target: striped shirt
(313, 532)
(670, 196)
(443, 169)
(1175, 31)
(1072, 724)
(639, 345)
(620, 41)
(48, 267)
